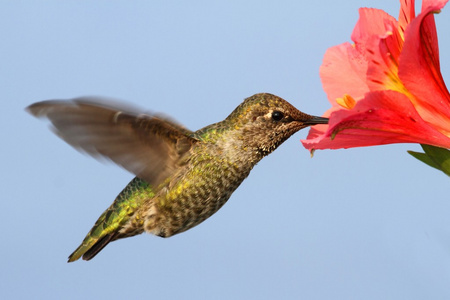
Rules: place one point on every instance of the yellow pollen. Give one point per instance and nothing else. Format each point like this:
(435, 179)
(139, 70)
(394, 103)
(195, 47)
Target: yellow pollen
(346, 101)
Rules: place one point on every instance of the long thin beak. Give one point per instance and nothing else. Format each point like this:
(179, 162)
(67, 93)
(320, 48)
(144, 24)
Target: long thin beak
(316, 120)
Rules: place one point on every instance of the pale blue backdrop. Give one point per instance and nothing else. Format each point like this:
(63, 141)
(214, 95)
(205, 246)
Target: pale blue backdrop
(368, 223)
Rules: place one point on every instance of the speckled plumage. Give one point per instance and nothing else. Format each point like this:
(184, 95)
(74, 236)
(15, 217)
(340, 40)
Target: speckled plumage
(183, 177)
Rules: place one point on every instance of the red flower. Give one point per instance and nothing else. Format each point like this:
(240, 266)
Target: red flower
(386, 87)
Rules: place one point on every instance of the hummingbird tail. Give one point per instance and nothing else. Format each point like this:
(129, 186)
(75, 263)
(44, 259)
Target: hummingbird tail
(115, 220)
(98, 246)
(90, 249)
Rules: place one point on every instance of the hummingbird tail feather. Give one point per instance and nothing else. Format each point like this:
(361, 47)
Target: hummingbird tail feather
(92, 248)
(98, 246)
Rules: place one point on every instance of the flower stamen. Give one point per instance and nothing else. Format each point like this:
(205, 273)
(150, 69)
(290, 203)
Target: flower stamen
(346, 101)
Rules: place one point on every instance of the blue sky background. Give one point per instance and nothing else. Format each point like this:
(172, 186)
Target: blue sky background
(368, 223)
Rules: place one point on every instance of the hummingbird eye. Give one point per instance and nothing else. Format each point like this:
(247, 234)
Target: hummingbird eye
(277, 115)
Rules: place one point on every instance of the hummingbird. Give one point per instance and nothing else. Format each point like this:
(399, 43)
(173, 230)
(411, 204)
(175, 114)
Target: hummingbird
(182, 177)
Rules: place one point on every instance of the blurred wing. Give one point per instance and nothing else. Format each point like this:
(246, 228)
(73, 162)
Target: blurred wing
(145, 145)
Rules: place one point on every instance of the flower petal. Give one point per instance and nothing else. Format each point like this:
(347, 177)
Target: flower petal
(382, 117)
(377, 36)
(383, 54)
(420, 69)
(406, 15)
(371, 22)
(343, 72)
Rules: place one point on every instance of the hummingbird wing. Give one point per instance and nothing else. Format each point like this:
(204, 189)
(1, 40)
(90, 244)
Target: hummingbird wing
(149, 146)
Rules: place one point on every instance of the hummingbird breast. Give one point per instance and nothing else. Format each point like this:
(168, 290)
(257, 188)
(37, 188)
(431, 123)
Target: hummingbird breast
(199, 190)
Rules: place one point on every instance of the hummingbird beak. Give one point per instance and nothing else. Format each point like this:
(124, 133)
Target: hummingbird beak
(315, 120)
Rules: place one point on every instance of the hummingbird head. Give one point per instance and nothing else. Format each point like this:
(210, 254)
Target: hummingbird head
(265, 121)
